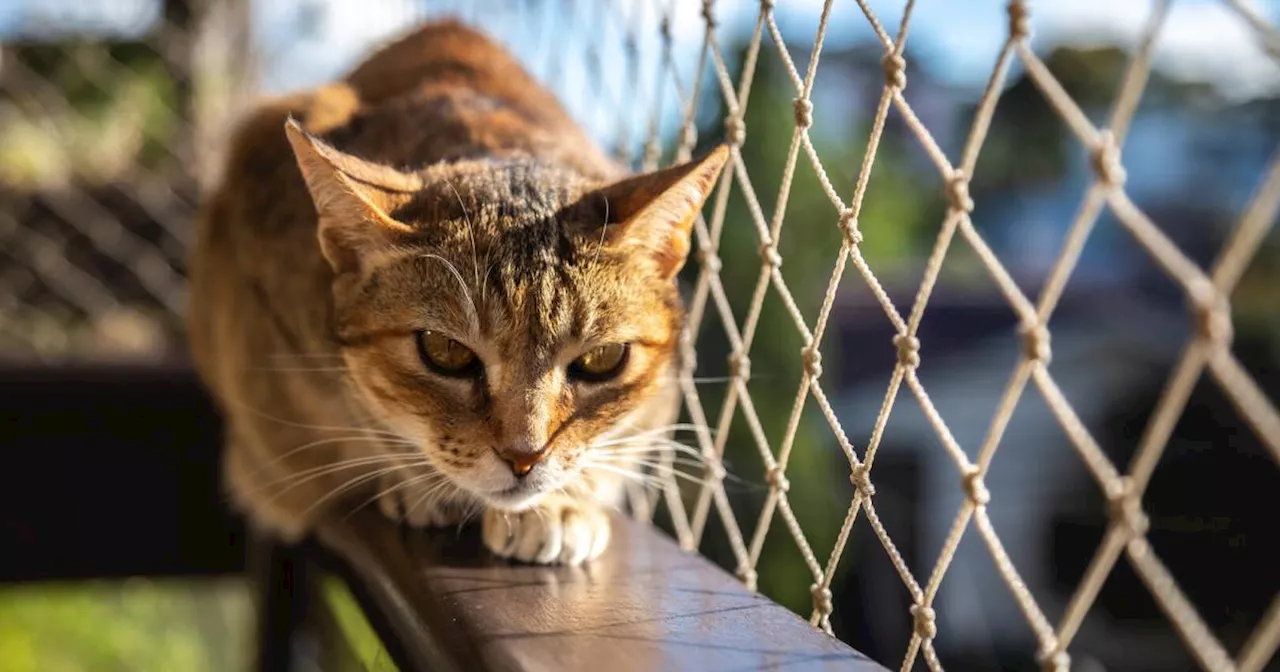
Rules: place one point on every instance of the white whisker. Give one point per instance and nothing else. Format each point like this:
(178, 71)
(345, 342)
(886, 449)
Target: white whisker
(712, 380)
(473, 511)
(408, 482)
(471, 234)
(320, 428)
(648, 445)
(353, 483)
(664, 468)
(433, 494)
(639, 476)
(300, 369)
(679, 426)
(332, 440)
(604, 229)
(643, 477)
(623, 459)
(475, 314)
(654, 445)
(298, 478)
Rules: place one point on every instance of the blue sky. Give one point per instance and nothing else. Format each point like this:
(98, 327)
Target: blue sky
(968, 32)
(304, 42)
(1200, 37)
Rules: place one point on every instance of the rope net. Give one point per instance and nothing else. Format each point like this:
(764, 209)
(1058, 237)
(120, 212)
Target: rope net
(663, 102)
(1207, 293)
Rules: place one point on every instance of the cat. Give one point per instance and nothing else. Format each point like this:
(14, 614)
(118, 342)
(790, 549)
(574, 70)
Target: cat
(425, 286)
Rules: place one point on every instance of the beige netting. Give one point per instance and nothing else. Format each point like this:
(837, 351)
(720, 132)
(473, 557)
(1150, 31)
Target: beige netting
(1206, 292)
(54, 283)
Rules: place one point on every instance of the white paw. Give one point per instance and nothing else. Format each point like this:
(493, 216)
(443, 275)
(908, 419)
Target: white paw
(552, 533)
(415, 506)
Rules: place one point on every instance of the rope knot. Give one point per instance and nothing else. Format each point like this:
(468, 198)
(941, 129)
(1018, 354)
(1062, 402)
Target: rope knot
(861, 480)
(958, 192)
(708, 259)
(708, 14)
(664, 28)
(895, 71)
(778, 480)
(740, 365)
(821, 599)
(908, 350)
(735, 131)
(1035, 343)
(1019, 20)
(766, 5)
(812, 361)
(975, 488)
(1106, 160)
(690, 138)
(803, 108)
(747, 576)
(925, 621)
(1125, 507)
(769, 255)
(1212, 313)
(849, 227)
(1055, 662)
(688, 353)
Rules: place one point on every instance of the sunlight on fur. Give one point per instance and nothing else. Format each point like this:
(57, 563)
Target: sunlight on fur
(425, 288)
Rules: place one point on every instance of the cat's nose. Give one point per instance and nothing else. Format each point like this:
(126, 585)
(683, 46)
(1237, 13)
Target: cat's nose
(521, 459)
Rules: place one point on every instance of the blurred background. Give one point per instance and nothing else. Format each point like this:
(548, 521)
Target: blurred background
(113, 115)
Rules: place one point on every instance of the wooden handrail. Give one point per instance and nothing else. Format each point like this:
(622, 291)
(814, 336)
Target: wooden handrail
(645, 605)
(139, 444)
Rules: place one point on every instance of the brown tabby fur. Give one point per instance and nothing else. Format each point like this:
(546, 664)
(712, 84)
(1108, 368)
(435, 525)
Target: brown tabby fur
(437, 187)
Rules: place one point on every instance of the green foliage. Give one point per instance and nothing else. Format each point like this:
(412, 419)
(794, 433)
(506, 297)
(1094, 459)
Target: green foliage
(354, 646)
(98, 111)
(129, 626)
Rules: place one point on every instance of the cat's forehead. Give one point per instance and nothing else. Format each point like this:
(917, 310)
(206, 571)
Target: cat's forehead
(516, 235)
(537, 303)
(533, 316)
(490, 197)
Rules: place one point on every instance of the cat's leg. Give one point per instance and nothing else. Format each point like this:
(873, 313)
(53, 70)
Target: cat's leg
(418, 503)
(244, 482)
(559, 530)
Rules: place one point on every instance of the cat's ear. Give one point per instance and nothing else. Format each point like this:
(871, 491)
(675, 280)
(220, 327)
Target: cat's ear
(351, 197)
(654, 212)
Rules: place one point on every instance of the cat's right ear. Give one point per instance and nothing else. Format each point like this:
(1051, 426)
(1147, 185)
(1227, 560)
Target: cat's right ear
(351, 197)
(653, 213)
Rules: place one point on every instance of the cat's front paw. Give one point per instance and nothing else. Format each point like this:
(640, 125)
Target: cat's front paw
(556, 532)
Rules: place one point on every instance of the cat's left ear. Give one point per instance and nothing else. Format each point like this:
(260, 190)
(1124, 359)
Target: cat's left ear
(351, 197)
(654, 212)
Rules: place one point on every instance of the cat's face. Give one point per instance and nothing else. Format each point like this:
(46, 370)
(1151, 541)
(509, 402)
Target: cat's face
(487, 313)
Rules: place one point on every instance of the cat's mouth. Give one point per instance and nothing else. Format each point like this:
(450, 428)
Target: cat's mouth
(519, 496)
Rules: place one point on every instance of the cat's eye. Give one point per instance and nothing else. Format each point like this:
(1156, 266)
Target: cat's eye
(446, 356)
(601, 363)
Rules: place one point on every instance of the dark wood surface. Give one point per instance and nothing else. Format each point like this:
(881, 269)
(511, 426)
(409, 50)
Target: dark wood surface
(644, 606)
(113, 471)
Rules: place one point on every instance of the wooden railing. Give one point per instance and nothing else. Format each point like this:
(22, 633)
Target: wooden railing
(134, 450)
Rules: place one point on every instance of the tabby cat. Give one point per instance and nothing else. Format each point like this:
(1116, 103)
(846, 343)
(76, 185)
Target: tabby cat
(424, 286)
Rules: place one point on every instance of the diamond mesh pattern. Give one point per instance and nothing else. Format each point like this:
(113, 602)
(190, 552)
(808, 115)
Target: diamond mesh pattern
(42, 274)
(1206, 291)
